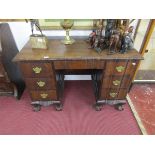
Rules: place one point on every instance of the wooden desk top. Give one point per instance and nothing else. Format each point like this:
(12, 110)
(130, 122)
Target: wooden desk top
(77, 51)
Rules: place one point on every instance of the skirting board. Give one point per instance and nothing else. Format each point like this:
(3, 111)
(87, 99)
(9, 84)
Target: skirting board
(140, 124)
(77, 77)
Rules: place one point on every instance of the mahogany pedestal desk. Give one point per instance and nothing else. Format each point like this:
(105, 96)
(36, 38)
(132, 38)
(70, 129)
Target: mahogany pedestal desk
(44, 70)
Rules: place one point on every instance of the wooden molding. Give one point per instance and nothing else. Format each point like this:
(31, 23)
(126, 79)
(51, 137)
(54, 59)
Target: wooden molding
(12, 20)
(146, 40)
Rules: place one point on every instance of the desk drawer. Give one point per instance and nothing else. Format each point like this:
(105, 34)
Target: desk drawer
(113, 94)
(115, 81)
(79, 64)
(121, 67)
(43, 95)
(40, 83)
(115, 68)
(33, 69)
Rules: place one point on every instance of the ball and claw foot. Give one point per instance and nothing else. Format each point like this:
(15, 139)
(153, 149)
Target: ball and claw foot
(119, 107)
(58, 107)
(98, 107)
(36, 108)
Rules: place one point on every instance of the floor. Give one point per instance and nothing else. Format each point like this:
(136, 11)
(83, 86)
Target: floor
(77, 118)
(143, 99)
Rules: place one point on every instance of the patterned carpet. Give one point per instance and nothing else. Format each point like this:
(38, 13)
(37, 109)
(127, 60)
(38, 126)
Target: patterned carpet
(77, 117)
(143, 99)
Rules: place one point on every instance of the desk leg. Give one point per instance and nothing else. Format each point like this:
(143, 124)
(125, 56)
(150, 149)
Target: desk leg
(59, 106)
(36, 107)
(118, 104)
(99, 105)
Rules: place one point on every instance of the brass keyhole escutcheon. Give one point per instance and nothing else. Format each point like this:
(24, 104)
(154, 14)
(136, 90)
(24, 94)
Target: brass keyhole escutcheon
(37, 70)
(41, 83)
(113, 94)
(116, 82)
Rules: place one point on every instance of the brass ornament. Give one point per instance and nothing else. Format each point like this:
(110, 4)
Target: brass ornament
(39, 41)
(67, 25)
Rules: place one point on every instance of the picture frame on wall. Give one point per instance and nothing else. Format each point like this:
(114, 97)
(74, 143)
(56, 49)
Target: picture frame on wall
(79, 24)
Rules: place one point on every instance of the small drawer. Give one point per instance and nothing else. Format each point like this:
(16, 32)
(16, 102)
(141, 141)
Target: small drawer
(115, 67)
(113, 94)
(40, 83)
(59, 64)
(116, 81)
(79, 64)
(36, 69)
(43, 95)
(121, 67)
(99, 64)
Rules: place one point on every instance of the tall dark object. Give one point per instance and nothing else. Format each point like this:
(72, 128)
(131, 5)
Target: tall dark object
(11, 81)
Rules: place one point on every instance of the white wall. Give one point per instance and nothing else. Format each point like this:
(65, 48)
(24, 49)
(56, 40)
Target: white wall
(22, 30)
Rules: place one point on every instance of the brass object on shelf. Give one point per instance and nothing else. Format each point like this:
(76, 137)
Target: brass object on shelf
(38, 41)
(41, 83)
(113, 94)
(44, 95)
(120, 69)
(116, 82)
(67, 25)
(37, 70)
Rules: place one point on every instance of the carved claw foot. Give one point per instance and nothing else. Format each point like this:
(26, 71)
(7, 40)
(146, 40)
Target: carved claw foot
(98, 107)
(36, 107)
(119, 107)
(59, 107)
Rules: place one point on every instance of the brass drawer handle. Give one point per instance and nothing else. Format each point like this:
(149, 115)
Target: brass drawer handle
(37, 70)
(120, 69)
(113, 94)
(116, 82)
(44, 95)
(41, 83)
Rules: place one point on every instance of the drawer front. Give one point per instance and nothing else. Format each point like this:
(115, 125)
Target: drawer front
(113, 94)
(59, 64)
(121, 67)
(116, 81)
(40, 83)
(115, 68)
(43, 95)
(36, 69)
(79, 64)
